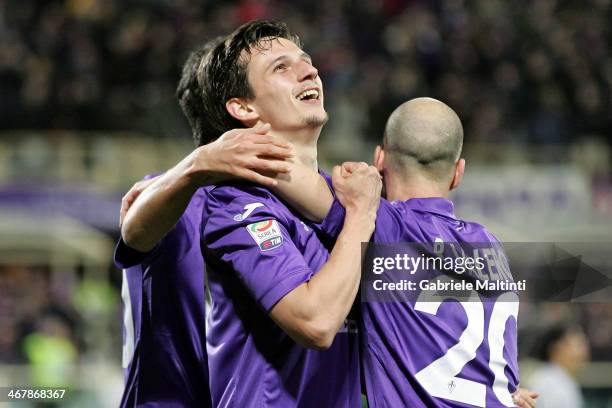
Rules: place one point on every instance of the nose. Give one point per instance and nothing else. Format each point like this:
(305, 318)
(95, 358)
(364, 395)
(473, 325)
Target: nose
(307, 71)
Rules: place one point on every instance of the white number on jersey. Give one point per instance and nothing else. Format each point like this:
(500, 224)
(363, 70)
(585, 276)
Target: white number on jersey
(440, 379)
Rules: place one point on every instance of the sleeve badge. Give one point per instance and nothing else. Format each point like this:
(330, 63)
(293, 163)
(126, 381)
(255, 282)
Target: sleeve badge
(266, 234)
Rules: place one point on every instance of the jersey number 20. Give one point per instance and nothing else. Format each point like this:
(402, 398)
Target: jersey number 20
(440, 377)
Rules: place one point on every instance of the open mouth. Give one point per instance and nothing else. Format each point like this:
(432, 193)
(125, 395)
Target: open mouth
(308, 95)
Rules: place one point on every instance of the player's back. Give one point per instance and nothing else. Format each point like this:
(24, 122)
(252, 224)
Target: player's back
(164, 346)
(430, 349)
(256, 252)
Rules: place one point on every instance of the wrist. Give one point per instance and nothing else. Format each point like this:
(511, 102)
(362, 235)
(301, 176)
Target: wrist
(197, 170)
(364, 215)
(362, 220)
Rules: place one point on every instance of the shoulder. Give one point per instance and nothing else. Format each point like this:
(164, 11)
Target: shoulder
(193, 212)
(231, 206)
(479, 230)
(398, 211)
(236, 194)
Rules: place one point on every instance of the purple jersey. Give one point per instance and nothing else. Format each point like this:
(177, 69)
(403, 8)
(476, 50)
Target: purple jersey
(164, 318)
(442, 354)
(257, 251)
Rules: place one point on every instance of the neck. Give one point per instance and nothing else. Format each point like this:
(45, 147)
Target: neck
(399, 187)
(304, 142)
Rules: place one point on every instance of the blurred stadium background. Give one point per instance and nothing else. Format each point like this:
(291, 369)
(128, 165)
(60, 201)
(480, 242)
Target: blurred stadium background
(87, 109)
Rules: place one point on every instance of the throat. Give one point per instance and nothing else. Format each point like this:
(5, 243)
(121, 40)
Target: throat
(304, 143)
(307, 156)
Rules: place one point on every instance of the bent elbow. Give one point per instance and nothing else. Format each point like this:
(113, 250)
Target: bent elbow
(134, 238)
(318, 336)
(323, 343)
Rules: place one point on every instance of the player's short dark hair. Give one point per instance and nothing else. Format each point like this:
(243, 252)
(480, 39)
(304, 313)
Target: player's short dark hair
(189, 92)
(223, 75)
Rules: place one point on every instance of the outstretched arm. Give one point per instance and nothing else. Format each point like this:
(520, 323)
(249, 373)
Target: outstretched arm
(242, 153)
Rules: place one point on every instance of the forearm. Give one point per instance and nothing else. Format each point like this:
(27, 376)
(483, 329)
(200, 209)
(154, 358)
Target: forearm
(312, 313)
(241, 153)
(158, 208)
(335, 286)
(306, 191)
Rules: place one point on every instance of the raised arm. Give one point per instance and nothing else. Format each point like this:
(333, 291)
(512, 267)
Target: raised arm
(242, 153)
(305, 190)
(313, 312)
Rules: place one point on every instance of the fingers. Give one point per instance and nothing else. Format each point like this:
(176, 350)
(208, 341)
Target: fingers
(270, 140)
(523, 402)
(131, 196)
(351, 167)
(126, 203)
(261, 128)
(257, 178)
(272, 151)
(525, 398)
(532, 394)
(257, 137)
(518, 401)
(274, 166)
(531, 403)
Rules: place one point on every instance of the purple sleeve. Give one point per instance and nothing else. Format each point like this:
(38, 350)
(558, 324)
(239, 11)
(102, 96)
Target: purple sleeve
(258, 249)
(331, 225)
(389, 221)
(126, 257)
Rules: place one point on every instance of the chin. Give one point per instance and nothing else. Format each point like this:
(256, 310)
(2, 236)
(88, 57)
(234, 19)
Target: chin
(316, 120)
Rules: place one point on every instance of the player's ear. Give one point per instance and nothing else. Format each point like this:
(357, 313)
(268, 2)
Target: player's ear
(458, 175)
(379, 159)
(241, 110)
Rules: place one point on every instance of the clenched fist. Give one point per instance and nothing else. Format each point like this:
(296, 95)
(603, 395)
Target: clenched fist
(358, 188)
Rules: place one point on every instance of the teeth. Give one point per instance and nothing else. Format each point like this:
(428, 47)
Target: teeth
(310, 92)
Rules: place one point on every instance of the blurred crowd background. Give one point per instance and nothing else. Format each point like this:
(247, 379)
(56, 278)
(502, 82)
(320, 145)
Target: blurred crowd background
(540, 73)
(87, 108)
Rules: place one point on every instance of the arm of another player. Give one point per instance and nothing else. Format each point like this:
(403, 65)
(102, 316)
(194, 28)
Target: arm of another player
(308, 192)
(305, 190)
(242, 153)
(313, 312)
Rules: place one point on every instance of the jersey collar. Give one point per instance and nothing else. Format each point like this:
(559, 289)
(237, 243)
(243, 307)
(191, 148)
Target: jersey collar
(435, 205)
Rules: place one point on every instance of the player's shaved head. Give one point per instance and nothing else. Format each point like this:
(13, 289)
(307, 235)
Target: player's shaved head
(424, 135)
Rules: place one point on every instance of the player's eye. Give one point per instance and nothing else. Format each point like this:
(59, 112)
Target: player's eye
(280, 67)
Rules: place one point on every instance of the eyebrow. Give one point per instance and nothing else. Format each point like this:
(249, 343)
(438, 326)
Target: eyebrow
(303, 55)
